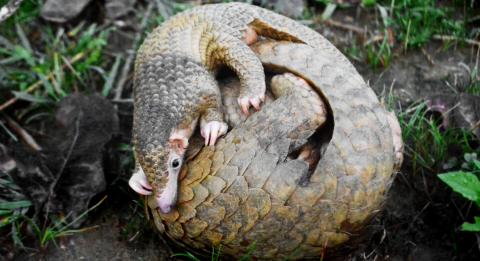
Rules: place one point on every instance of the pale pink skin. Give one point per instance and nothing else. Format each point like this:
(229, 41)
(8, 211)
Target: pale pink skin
(211, 131)
(139, 183)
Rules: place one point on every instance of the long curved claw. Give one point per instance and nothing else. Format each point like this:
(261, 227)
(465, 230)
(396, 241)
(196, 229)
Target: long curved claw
(255, 101)
(138, 182)
(212, 130)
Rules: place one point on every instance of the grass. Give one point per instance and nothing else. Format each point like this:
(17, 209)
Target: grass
(216, 254)
(138, 223)
(57, 228)
(42, 63)
(13, 207)
(417, 21)
(27, 13)
(15, 219)
(54, 64)
(428, 147)
(409, 24)
(474, 86)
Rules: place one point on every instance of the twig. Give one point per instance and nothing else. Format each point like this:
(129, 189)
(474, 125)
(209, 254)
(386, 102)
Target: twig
(475, 126)
(131, 55)
(27, 138)
(419, 214)
(347, 27)
(124, 101)
(39, 83)
(10, 8)
(374, 39)
(454, 38)
(429, 58)
(12, 136)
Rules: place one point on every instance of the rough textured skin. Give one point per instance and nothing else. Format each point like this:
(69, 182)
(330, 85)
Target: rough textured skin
(250, 188)
(246, 189)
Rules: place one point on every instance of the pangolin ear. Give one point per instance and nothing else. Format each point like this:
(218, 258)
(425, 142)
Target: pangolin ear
(178, 144)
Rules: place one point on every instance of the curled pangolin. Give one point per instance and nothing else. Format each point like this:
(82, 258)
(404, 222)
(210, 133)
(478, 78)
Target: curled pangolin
(247, 189)
(259, 184)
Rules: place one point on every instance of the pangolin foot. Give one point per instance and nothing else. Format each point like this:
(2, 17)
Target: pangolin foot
(139, 183)
(255, 101)
(212, 130)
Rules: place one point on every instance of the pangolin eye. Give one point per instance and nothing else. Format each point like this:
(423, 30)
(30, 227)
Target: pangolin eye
(175, 163)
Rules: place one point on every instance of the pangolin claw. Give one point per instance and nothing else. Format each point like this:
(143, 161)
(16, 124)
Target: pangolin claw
(212, 130)
(255, 101)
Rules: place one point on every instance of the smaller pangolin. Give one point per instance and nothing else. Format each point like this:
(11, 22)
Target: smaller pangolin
(175, 85)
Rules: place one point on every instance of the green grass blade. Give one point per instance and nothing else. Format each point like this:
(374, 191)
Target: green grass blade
(5, 212)
(31, 98)
(15, 204)
(62, 229)
(111, 76)
(57, 70)
(187, 255)
(248, 255)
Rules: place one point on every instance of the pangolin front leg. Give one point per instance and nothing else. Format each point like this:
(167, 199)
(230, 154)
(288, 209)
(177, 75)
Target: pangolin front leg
(236, 54)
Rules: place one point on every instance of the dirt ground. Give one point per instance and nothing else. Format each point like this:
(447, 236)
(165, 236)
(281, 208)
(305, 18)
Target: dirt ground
(421, 218)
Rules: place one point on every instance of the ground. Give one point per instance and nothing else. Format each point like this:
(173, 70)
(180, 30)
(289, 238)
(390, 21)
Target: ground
(422, 216)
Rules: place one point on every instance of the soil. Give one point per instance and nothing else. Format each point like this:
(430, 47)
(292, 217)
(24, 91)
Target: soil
(421, 218)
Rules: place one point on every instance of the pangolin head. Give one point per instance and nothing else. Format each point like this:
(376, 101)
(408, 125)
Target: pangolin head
(162, 167)
(167, 89)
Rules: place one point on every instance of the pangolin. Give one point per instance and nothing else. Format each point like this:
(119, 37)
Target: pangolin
(175, 87)
(251, 188)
